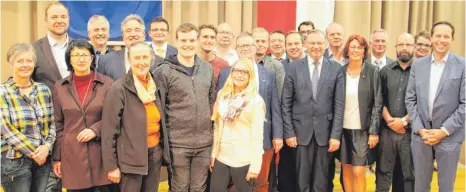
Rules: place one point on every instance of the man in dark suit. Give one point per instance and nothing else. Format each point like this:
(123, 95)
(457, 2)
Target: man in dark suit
(277, 45)
(435, 103)
(378, 43)
(115, 64)
(50, 65)
(294, 44)
(261, 37)
(158, 32)
(50, 50)
(273, 127)
(313, 107)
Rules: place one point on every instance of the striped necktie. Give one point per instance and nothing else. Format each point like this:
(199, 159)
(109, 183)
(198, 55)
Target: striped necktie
(315, 79)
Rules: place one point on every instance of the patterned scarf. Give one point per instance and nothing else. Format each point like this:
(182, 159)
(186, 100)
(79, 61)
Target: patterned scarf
(235, 104)
(146, 96)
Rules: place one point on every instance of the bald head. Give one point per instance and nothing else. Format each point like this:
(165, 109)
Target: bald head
(335, 32)
(224, 35)
(405, 47)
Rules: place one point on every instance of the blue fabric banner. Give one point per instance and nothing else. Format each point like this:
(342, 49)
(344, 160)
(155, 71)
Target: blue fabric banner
(115, 11)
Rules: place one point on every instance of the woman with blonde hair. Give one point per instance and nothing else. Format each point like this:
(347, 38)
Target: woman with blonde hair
(238, 116)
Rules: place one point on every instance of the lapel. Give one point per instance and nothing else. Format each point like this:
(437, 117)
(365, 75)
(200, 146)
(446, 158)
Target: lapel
(47, 50)
(306, 75)
(262, 81)
(323, 73)
(425, 77)
(121, 57)
(445, 74)
(267, 63)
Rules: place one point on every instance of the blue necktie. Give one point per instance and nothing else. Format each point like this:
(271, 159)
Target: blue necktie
(315, 79)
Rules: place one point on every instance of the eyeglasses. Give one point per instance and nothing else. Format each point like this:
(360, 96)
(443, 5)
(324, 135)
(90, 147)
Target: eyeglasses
(405, 45)
(240, 71)
(245, 46)
(305, 31)
(78, 57)
(319, 43)
(157, 30)
(225, 32)
(356, 48)
(423, 45)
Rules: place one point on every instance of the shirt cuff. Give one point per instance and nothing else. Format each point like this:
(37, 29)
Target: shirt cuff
(445, 130)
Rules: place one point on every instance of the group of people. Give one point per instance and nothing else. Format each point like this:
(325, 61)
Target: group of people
(221, 114)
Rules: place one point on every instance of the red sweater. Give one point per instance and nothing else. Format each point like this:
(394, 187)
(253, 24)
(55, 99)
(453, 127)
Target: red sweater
(83, 84)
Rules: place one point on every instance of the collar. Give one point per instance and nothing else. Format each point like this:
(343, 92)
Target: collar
(12, 84)
(383, 59)
(107, 49)
(164, 46)
(397, 64)
(53, 42)
(444, 59)
(283, 56)
(97, 78)
(311, 61)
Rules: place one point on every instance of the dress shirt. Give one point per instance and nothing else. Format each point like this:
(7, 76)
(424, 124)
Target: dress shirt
(164, 49)
(312, 66)
(231, 57)
(281, 58)
(58, 51)
(343, 60)
(394, 81)
(127, 64)
(383, 60)
(436, 71)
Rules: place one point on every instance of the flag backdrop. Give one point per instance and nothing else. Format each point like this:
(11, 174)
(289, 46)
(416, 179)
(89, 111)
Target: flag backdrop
(115, 11)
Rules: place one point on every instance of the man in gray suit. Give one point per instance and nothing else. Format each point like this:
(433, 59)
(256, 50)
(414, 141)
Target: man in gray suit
(273, 127)
(115, 64)
(435, 103)
(378, 43)
(312, 109)
(261, 37)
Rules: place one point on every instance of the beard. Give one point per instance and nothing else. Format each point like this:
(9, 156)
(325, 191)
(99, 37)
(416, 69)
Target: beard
(404, 58)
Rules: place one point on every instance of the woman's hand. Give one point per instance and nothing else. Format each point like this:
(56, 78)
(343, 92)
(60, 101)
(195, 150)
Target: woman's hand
(85, 135)
(114, 175)
(212, 162)
(373, 140)
(57, 168)
(250, 176)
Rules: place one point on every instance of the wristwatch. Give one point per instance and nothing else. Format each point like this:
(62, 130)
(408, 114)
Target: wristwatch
(403, 120)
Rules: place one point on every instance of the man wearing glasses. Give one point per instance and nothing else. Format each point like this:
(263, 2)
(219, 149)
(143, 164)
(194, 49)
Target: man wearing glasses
(224, 44)
(158, 32)
(423, 44)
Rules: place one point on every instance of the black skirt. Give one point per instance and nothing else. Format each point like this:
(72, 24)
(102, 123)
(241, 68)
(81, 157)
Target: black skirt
(354, 148)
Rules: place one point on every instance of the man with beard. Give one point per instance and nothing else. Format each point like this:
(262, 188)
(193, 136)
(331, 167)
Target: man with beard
(50, 64)
(261, 37)
(273, 127)
(335, 33)
(50, 50)
(158, 32)
(224, 44)
(115, 64)
(423, 45)
(395, 134)
(378, 43)
(98, 29)
(207, 34)
(277, 45)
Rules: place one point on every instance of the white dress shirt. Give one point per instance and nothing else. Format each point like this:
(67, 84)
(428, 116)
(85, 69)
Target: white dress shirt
(127, 64)
(351, 118)
(257, 74)
(312, 66)
(383, 59)
(58, 51)
(231, 57)
(436, 72)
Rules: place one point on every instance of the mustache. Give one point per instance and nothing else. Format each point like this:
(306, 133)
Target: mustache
(133, 38)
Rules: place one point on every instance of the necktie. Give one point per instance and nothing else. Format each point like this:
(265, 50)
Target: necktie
(315, 79)
(279, 59)
(160, 52)
(378, 63)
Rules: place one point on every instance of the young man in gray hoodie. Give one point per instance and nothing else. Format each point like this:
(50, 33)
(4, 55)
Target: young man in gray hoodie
(188, 81)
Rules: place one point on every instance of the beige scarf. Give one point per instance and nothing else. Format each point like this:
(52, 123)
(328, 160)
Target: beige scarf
(146, 96)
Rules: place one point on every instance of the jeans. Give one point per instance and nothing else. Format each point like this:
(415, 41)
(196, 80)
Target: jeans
(190, 167)
(24, 175)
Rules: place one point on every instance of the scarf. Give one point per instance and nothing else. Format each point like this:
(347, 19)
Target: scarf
(235, 104)
(146, 96)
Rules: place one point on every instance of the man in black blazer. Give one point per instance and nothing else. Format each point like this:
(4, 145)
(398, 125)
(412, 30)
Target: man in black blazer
(273, 127)
(115, 64)
(158, 32)
(313, 108)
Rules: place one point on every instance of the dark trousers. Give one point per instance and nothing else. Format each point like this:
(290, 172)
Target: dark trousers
(104, 188)
(391, 146)
(24, 175)
(144, 183)
(221, 175)
(398, 178)
(53, 182)
(312, 167)
(287, 170)
(190, 167)
(273, 174)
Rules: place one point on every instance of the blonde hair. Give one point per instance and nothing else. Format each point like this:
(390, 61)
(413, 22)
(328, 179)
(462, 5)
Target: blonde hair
(229, 87)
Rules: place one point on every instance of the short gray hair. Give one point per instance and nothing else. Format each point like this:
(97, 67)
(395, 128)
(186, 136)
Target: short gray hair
(133, 17)
(377, 31)
(140, 44)
(20, 48)
(95, 18)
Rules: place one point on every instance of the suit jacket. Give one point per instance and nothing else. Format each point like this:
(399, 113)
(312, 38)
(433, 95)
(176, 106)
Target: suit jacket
(46, 68)
(113, 64)
(304, 116)
(276, 67)
(273, 125)
(170, 50)
(286, 62)
(369, 98)
(448, 109)
(270, 55)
